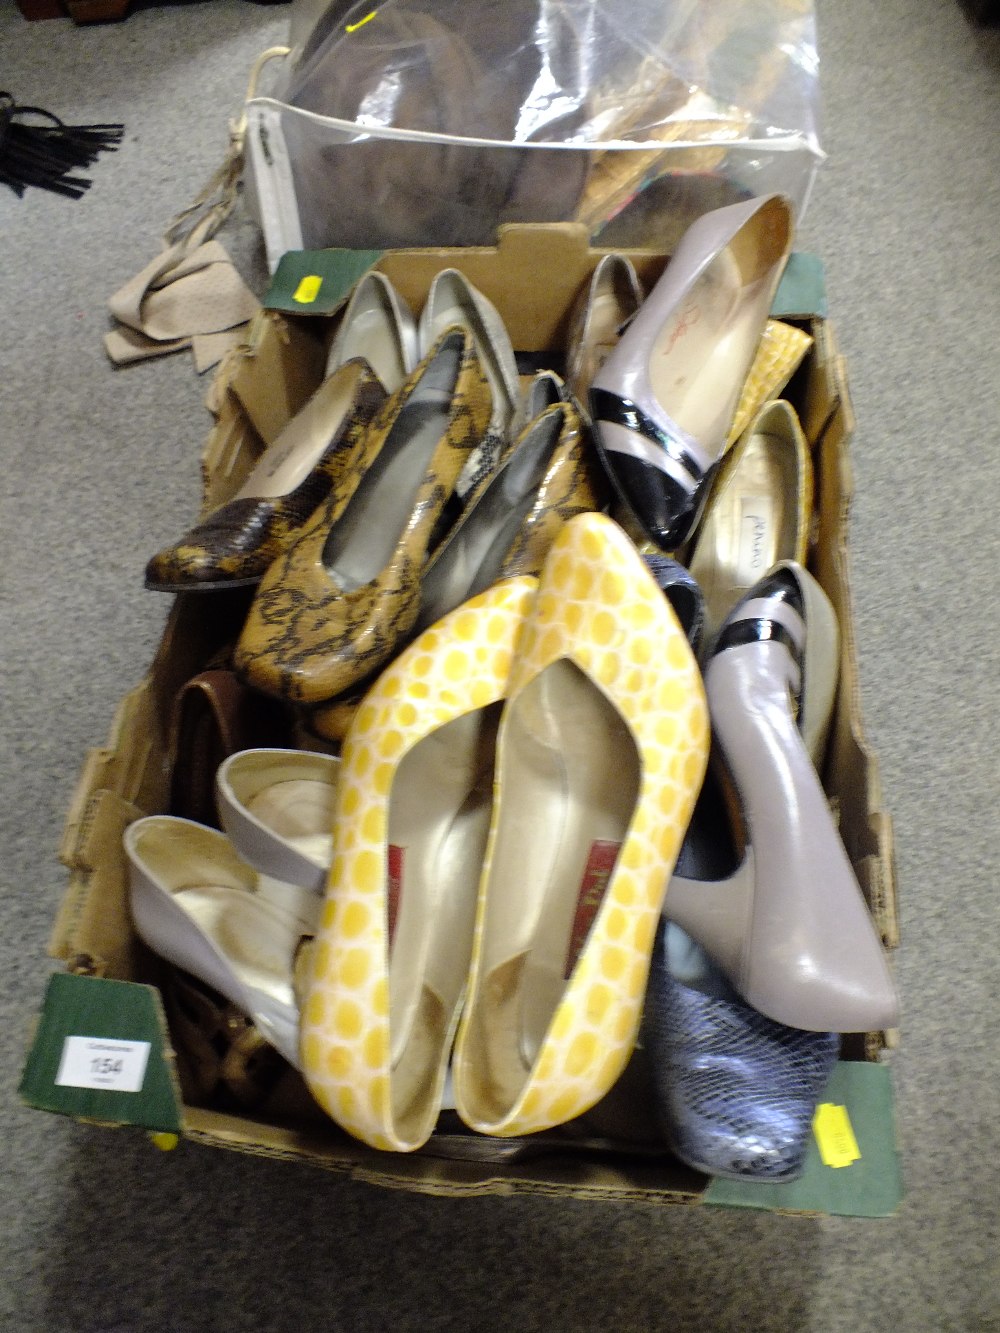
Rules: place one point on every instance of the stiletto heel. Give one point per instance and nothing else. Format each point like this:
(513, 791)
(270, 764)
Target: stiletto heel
(665, 399)
(790, 927)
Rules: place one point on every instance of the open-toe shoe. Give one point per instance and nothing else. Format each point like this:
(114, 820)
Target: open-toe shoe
(664, 400)
(601, 752)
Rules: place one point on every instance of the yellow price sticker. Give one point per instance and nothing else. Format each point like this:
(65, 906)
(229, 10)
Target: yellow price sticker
(308, 289)
(835, 1135)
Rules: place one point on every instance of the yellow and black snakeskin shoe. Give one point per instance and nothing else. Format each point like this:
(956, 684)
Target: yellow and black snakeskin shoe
(573, 483)
(340, 600)
(549, 473)
(237, 542)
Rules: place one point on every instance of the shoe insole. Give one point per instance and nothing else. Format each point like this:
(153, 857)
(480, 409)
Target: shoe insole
(298, 449)
(609, 311)
(702, 354)
(365, 536)
(373, 337)
(450, 310)
(472, 558)
(256, 940)
(300, 811)
(749, 526)
(439, 815)
(569, 784)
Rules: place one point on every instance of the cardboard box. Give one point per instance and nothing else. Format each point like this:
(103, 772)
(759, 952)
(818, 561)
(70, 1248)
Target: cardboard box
(108, 991)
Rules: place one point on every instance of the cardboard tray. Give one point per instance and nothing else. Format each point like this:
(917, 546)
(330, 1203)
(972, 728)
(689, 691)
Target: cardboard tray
(108, 987)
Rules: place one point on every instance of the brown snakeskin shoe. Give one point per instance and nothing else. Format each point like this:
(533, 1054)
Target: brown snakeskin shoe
(549, 473)
(341, 598)
(236, 543)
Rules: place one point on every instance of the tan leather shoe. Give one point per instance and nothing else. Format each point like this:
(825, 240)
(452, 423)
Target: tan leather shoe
(339, 601)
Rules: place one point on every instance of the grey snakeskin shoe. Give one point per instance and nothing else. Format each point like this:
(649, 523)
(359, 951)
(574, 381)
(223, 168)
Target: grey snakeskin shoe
(736, 1092)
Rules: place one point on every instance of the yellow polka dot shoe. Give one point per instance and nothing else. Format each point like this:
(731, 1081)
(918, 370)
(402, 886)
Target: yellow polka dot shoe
(600, 756)
(391, 956)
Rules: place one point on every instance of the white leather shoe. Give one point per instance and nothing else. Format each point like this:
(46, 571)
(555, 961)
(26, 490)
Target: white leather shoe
(276, 807)
(201, 908)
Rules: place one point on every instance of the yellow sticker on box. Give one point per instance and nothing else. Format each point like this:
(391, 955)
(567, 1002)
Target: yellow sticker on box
(835, 1135)
(308, 289)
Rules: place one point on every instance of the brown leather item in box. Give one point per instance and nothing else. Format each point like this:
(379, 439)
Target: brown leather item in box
(533, 278)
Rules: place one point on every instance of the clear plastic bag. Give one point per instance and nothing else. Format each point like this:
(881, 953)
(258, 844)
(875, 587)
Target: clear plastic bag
(432, 122)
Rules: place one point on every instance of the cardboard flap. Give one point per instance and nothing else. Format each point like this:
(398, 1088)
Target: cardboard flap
(93, 928)
(852, 1166)
(119, 766)
(532, 276)
(282, 365)
(101, 1053)
(231, 449)
(801, 293)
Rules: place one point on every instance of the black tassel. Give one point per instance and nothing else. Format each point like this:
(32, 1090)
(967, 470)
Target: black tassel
(37, 149)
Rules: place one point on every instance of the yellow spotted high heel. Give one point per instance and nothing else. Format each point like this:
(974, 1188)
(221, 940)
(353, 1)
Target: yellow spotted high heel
(601, 753)
(391, 956)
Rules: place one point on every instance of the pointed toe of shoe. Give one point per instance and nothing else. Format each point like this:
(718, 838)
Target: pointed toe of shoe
(816, 992)
(736, 1092)
(232, 548)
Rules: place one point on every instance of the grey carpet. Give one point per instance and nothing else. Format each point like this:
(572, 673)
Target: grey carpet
(102, 1232)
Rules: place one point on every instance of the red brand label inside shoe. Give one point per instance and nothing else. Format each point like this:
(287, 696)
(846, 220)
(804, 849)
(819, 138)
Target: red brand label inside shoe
(394, 888)
(600, 863)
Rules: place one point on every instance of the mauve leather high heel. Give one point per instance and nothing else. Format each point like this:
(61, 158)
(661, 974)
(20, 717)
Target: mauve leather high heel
(789, 927)
(664, 400)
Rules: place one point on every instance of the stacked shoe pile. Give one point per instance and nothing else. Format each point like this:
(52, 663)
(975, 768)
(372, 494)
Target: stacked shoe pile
(562, 684)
